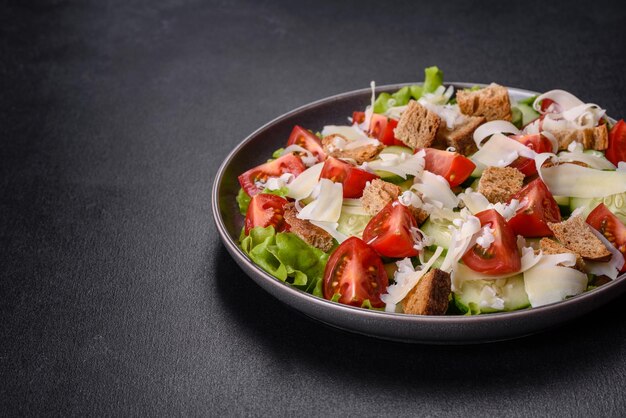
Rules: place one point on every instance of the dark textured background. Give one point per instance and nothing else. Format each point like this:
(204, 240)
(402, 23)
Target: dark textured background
(116, 295)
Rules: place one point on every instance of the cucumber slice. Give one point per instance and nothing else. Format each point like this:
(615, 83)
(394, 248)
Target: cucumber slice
(478, 171)
(389, 177)
(396, 149)
(478, 296)
(438, 230)
(616, 203)
(562, 200)
(528, 113)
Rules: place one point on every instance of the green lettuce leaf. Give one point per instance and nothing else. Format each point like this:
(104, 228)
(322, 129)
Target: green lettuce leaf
(286, 257)
(282, 192)
(433, 79)
(243, 200)
(276, 154)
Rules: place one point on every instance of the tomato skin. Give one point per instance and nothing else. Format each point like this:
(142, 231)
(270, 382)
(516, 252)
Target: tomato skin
(305, 139)
(502, 256)
(609, 225)
(616, 151)
(265, 210)
(353, 179)
(381, 128)
(537, 208)
(356, 272)
(389, 232)
(536, 142)
(288, 163)
(452, 166)
(358, 117)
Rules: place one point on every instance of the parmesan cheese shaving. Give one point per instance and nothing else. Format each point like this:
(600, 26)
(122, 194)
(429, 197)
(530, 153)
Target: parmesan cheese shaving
(402, 165)
(548, 281)
(326, 206)
(610, 268)
(302, 186)
(331, 228)
(488, 129)
(501, 151)
(405, 279)
(435, 190)
(576, 181)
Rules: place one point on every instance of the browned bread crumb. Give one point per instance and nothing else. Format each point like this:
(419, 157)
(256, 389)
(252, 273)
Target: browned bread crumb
(378, 194)
(430, 296)
(549, 247)
(417, 126)
(360, 154)
(591, 138)
(576, 235)
(419, 214)
(492, 102)
(498, 184)
(461, 137)
(308, 232)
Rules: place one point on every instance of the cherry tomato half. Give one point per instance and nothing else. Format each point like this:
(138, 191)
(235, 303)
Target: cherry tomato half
(503, 255)
(389, 232)
(355, 272)
(616, 151)
(452, 166)
(537, 208)
(536, 142)
(308, 141)
(288, 163)
(381, 128)
(265, 210)
(353, 179)
(609, 225)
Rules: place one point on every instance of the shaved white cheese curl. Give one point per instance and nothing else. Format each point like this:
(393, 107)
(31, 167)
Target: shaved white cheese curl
(405, 279)
(331, 228)
(501, 151)
(564, 99)
(488, 129)
(350, 133)
(435, 190)
(548, 282)
(576, 181)
(610, 268)
(402, 165)
(474, 201)
(308, 158)
(463, 232)
(326, 206)
(302, 186)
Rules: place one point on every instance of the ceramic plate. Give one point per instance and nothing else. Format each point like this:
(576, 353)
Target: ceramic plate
(255, 150)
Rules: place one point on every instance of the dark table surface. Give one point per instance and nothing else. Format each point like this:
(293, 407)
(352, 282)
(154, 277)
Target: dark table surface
(117, 296)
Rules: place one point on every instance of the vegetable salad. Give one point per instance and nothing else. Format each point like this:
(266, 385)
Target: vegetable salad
(433, 201)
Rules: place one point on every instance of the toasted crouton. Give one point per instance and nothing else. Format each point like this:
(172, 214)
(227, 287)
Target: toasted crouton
(498, 184)
(377, 194)
(430, 296)
(492, 102)
(461, 137)
(550, 247)
(360, 154)
(308, 232)
(591, 138)
(417, 126)
(576, 235)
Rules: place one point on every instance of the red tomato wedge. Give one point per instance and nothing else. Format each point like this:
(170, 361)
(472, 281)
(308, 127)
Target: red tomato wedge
(358, 117)
(609, 225)
(537, 208)
(503, 255)
(265, 210)
(389, 232)
(353, 179)
(308, 141)
(536, 142)
(381, 128)
(288, 163)
(617, 143)
(355, 272)
(452, 166)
